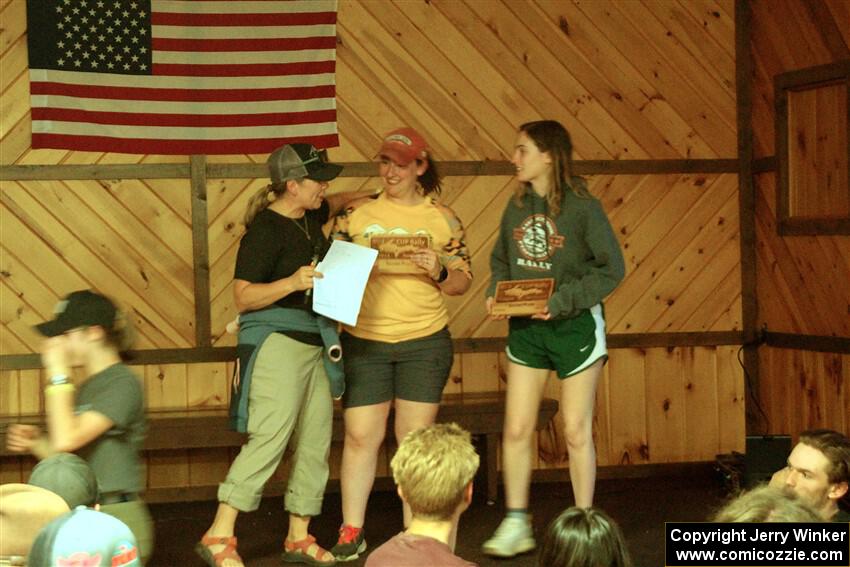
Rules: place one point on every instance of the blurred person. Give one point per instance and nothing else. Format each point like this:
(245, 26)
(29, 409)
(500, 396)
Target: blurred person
(56, 485)
(103, 422)
(24, 510)
(85, 538)
(69, 476)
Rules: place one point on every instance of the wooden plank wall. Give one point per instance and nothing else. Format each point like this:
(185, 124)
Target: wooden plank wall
(803, 281)
(818, 162)
(648, 80)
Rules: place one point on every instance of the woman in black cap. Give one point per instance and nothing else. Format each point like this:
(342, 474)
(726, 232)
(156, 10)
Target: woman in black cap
(286, 374)
(103, 421)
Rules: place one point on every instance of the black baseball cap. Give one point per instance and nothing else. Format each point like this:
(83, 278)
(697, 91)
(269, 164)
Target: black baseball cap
(297, 161)
(83, 308)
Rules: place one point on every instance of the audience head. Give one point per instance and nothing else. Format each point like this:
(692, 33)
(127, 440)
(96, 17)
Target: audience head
(433, 468)
(85, 537)
(767, 504)
(584, 537)
(819, 469)
(24, 510)
(69, 476)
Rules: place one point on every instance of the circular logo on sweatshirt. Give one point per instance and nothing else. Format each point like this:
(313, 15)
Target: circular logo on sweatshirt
(537, 237)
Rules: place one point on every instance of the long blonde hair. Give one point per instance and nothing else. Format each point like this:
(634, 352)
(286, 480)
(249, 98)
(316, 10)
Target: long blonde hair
(262, 199)
(767, 504)
(550, 136)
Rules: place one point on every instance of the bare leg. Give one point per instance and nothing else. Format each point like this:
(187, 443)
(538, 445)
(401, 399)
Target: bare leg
(524, 392)
(365, 427)
(299, 530)
(223, 526)
(298, 527)
(410, 416)
(578, 395)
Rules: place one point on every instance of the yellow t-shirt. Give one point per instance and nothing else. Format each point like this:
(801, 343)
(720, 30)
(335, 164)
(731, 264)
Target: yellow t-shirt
(401, 307)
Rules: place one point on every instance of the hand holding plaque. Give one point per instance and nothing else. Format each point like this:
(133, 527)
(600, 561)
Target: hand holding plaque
(522, 297)
(394, 252)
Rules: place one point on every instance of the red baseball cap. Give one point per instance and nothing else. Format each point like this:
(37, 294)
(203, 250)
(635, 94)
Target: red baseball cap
(404, 145)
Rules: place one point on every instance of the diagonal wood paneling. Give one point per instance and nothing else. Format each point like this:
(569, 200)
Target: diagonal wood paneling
(808, 390)
(679, 234)
(803, 281)
(788, 35)
(631, 80)
(118, 237)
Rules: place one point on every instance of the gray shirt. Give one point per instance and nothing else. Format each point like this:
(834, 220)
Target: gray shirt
(114, 456)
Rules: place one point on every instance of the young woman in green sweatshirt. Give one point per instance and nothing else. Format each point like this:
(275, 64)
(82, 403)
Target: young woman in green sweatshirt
(552, 228)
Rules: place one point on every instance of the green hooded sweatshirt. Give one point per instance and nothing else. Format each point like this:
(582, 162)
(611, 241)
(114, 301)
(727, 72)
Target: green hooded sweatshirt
(577, 248)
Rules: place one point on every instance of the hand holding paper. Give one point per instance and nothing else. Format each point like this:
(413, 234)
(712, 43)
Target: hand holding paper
(346, 270)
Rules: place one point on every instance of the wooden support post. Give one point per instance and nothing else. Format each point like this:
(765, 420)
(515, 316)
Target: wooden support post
(747, 207)
(200, 251)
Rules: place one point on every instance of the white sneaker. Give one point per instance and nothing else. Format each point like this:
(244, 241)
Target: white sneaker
(512, 537)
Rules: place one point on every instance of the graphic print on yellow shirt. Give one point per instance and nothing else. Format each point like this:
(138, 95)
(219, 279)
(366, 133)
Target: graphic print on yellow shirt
(537, 240)
(400, 307)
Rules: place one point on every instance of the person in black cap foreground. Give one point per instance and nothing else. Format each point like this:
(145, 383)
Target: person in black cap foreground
(103, 422)
(286, 374)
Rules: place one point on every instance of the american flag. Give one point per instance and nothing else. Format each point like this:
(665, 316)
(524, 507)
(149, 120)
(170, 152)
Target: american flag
(182, 76)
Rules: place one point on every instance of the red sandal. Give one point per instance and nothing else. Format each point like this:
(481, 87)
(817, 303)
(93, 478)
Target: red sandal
(202, 548)
(298, 552)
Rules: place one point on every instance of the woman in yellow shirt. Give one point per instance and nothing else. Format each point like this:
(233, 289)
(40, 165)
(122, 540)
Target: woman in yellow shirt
(400, 352)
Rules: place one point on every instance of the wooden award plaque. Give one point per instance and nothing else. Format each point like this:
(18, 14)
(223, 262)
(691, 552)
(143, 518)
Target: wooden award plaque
(522, 297)
(394, 252)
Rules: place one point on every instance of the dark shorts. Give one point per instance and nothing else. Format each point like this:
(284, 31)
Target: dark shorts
(416, 370)
(567, 346)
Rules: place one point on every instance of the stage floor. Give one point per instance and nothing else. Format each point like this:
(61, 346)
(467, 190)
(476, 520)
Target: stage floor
(641, 506)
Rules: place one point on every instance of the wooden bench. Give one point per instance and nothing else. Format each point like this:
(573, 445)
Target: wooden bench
(482, 414)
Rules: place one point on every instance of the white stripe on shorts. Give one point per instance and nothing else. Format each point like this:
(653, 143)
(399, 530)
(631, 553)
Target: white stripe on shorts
(601, 348)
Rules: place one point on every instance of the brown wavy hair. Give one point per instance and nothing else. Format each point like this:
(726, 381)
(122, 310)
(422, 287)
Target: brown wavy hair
(430, 179)
(836, 448)
(584, 537)
(551, 137)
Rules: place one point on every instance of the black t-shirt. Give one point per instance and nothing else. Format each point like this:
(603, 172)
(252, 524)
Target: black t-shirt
(275, 246)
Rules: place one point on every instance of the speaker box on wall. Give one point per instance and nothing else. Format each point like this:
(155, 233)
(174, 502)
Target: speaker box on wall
(765, 455)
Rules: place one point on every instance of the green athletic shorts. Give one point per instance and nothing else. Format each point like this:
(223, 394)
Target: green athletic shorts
(416, 370)
(567, 346)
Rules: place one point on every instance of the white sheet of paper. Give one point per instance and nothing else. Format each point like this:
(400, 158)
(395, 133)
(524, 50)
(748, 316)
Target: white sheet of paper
(346, 270)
